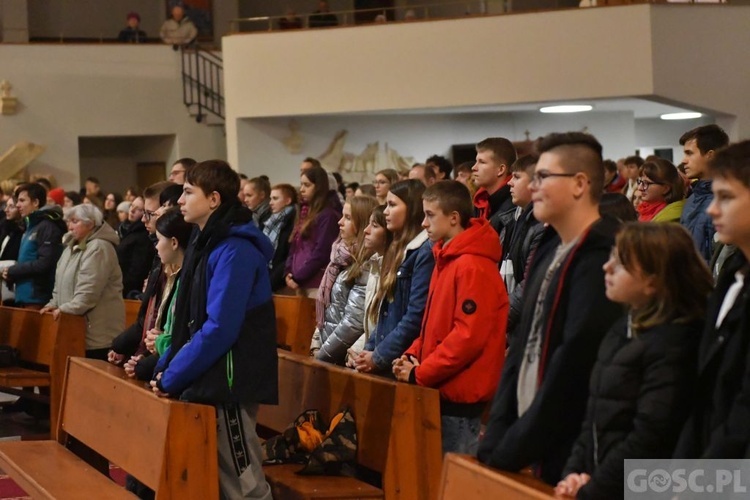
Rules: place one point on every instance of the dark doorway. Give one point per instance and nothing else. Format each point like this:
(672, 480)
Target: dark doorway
(367, 10)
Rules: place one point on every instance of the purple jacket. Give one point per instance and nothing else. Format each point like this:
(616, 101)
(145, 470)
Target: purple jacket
(309, 256)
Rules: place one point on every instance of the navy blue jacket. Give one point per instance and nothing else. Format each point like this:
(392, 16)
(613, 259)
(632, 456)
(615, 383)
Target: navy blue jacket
(400, 320)
(697, 221)
(230, 354)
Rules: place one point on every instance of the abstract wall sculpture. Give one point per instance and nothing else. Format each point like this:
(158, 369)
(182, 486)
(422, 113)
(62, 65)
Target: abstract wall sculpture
(361, 167)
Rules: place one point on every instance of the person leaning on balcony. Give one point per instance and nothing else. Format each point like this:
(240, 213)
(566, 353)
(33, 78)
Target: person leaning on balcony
(178, 29)
(132, 32)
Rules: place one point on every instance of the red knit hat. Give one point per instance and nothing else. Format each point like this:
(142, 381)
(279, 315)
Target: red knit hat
(57, 194)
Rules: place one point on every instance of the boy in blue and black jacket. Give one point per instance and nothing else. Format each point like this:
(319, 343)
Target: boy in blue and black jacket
(223, 348)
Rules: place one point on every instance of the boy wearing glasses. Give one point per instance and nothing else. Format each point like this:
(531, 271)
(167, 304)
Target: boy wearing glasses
(539, 406)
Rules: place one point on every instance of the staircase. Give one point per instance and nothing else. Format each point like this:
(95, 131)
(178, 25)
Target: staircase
(203, 84)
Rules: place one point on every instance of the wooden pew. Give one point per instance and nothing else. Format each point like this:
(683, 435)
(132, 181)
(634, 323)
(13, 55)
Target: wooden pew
(131, 311)
(44, 346)
(398, 430)
(295, 322)
(465, 478)
(169, 445)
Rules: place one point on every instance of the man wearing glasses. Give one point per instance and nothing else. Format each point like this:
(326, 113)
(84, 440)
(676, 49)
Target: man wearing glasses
(177, 174)
(539, 406)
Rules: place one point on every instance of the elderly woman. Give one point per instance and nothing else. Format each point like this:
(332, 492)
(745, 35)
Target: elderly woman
(88, 280)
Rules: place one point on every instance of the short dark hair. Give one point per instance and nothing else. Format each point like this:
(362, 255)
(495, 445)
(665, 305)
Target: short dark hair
(502, 149)
(34, 190)
(443, 164)
(74, 197)
(92, 179)
(262, 185)
(353, 186)
(312, 161)
(452, 196)
(186, 162)
(707, 138)
(170, 195)
(154, 190)
(172, 225)
(463, 167)
(583, 151)
(525, 163)
(617, 205)
(634, 160)
(44, 182)
(215, 176)
(610, 166)
(732, 162)
(429, 174)
(243, 176)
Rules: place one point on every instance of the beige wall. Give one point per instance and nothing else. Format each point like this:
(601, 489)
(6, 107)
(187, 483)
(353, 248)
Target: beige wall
(71, 91)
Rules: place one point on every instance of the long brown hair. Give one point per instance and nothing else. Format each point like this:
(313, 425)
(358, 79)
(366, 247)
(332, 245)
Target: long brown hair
(319, 178)
(666, 253)
(410, 192)
(362, 207)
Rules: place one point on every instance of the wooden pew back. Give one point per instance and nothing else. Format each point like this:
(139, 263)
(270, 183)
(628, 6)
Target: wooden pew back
(295, 322)
(465, 478)
(398, 425)
(43, 341)
(131, 311)
(169, 445)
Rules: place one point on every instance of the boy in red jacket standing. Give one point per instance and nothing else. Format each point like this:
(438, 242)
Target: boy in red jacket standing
(461, 347)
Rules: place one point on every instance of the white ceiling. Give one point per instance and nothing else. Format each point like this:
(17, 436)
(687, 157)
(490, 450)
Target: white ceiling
(641, 108)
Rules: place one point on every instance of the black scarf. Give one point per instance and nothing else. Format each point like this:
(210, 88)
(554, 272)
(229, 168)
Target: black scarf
(190, 311)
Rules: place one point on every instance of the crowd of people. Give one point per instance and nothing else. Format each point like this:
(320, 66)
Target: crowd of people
(597, 309)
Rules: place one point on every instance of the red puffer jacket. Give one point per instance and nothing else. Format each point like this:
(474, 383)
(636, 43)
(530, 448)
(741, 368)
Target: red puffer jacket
(461, 347)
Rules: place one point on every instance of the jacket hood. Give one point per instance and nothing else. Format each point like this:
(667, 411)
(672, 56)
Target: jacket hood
(479, 239)
(103, 232)
(255, 236)
(49, 212)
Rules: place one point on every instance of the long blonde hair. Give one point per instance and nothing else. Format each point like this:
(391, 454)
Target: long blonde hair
(362, 207)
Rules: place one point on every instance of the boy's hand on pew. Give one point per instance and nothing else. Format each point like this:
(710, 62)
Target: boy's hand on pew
(403, 366)
(568, 487)
(115, 358)
(156, 389)
(364, 363)
(54, 311)
(130, 365)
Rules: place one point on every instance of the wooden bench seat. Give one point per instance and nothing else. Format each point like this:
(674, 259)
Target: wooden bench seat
(51, 471)
(295, 322)
(168, 445)
(287, 484)
(464, 478)
(398, 430)
(131, 311)
(44, 344)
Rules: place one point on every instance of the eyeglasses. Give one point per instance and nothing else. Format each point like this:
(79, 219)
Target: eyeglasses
(644, 184)
(539, 176)
(148, 214)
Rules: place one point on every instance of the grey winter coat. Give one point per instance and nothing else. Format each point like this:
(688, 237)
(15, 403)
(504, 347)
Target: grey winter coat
(344, 318)
(88, 282)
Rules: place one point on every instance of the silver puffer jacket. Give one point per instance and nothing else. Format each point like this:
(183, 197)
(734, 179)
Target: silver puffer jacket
(344, 318)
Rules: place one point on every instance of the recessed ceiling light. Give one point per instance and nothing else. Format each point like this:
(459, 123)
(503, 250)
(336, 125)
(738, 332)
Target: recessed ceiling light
(687, 115)
(567, 108)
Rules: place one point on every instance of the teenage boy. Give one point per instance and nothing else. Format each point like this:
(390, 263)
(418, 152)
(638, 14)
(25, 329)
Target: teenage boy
(461, 347)
(41, 246)
(491, 174)
(718, 426)
(700, 145)
(522, 236)
(223, 348)
(539, 406)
